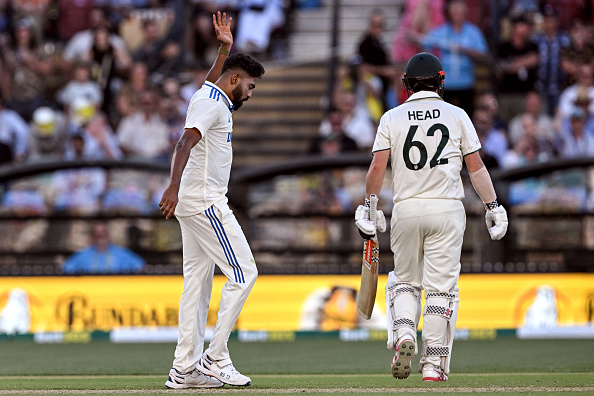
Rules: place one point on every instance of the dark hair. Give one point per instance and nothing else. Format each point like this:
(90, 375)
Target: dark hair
(243, 62)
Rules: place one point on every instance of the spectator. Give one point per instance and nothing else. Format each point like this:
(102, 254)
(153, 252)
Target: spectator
(575, 141)
(14, 135)
(48, 136)
(518, 65)
(127, 97)
(78, 191)
(524, 152)
(551, 43)
(99, 139)
(419, 17)
(145, 134)
(335, 141)
(460, 44)
(544, 146)
(103, 257)
(584, 85)
(579, 52)
(79, 46)
(544, 127)
(373, 58)
(23, 199)
(356, 123)
(199, 76)
(493, 140)
(28, 67)
(107, 61)
(256, 21)
(80, 87)
(200, 41)
(35, 12)
(161, 56)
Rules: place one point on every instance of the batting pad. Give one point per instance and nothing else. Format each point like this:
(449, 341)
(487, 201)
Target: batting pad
(403, 311)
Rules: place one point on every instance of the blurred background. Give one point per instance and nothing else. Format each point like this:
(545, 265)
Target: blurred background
(93, 97)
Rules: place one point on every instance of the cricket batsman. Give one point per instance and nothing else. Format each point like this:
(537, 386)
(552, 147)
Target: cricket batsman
(427, 139)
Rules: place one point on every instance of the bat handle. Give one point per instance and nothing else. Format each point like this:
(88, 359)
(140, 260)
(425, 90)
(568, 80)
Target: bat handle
(373, 207)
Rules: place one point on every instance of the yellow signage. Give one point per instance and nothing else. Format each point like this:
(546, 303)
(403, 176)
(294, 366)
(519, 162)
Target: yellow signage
(282, 303)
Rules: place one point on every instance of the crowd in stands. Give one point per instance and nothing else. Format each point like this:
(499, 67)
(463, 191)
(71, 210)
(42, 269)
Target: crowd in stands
(538, 104)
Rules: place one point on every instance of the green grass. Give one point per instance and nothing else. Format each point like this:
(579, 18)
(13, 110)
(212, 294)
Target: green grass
(314, 366)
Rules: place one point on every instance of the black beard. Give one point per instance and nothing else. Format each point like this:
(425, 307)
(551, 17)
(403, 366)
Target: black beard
(237, 102)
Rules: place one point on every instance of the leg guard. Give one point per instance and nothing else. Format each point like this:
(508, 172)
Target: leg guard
(439, 325)
(403, 310)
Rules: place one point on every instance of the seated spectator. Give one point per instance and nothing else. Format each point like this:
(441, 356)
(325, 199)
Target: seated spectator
(418, 18)
(28, 67)
(81, 86)
(544, 126)
(544, 146)
(256, 21)
(584, 85)
(73, 17)
(49, 132)
(579, 52)
(576, 142)
(524, 152)
(127, 98)
(551, 43)
(374, 59)
(356, 122)
(200, 42)
(23, 199)
(173, 109)
(36, 12)
(14, 136)
(81, 43)
(335, 141)
(144, 134)
(100, 141)
(198, 78)
(78, 191)
(518, 64)
(160, 55)
(103, 257)
(460, 44)
(125, 200)
(493, 140)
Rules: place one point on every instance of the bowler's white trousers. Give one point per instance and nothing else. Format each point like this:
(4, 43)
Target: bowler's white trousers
(211, 237)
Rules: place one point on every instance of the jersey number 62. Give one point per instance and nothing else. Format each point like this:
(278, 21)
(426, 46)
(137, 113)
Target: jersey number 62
(410, 143)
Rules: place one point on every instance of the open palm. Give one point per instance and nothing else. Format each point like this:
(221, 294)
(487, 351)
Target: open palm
(222, 28)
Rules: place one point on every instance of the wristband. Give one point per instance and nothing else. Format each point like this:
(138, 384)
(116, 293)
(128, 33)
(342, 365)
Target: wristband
(367, 203)
(491, 205)
(224, 51)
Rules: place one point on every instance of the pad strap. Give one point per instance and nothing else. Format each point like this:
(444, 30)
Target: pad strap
(436, 351)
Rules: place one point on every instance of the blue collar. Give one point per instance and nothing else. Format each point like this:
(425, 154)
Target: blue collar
(228, 103)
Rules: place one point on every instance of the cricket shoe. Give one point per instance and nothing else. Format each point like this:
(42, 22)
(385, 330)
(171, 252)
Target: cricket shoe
(224, 373)
(432, 373)
(404, 354)
(193, 379)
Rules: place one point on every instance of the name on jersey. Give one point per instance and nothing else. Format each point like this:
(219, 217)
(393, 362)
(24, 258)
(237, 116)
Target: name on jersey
(420, 115)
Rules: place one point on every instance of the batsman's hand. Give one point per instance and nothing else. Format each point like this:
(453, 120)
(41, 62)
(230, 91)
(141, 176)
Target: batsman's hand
(496, 220)
(169, 201)
(368, 228)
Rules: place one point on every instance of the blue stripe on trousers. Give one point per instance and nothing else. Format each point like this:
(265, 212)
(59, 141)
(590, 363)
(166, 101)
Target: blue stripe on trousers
(225, 244)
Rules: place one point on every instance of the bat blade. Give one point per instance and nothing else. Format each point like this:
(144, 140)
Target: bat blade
(369, 275)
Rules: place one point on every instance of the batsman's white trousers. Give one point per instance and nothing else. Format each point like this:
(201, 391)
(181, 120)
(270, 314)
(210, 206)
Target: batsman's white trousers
(211, 237)
(426, 238)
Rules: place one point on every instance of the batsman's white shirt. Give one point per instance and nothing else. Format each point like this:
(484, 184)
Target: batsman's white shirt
(206, 175)
(427, 138)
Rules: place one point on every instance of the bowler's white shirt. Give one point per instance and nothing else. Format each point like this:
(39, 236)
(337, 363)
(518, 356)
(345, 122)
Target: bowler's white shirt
(428, 139)
(206, 175)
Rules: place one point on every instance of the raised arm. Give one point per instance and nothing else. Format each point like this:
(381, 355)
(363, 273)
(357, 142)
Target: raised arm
(222, 28)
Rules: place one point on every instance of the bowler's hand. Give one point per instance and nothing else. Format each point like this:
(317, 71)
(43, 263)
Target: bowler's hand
(169, 201)
(223, 29)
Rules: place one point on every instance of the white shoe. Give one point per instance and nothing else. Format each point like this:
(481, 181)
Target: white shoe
(193, 379)
(432, 373)
(404, 354)
(226, 374)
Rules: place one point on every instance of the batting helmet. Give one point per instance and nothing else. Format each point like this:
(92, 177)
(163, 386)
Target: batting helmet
(424, 72)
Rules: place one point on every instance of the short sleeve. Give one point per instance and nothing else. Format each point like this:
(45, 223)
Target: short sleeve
(470, 140)
(382, 137)
(203, 114)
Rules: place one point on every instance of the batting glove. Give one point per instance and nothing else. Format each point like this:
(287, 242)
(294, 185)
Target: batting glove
(496, 219)
(366, 227)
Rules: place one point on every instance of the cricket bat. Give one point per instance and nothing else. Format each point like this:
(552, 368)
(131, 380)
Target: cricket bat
(369, 269)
